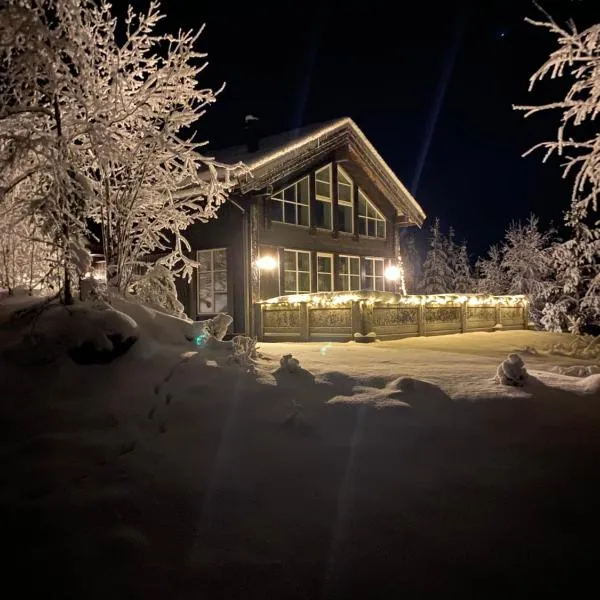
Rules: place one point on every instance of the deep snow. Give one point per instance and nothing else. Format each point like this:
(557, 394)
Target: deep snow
(377, 470)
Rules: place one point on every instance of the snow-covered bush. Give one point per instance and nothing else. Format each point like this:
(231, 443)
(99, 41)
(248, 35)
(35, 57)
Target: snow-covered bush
(244, 351)
(511, 371)
(156, 288)
(290, 364)
(217, 326)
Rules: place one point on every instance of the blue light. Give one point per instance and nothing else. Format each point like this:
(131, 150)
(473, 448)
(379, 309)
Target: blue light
(201, 338)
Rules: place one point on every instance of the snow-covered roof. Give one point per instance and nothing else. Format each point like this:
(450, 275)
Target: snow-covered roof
(279, 155)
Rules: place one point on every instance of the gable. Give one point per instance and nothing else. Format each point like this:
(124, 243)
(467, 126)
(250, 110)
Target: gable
(282, 157)
(338, 195)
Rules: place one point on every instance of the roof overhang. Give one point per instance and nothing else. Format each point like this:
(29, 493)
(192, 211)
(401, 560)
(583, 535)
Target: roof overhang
(291, 157)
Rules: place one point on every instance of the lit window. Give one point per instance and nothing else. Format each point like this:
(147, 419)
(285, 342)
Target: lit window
(345, 203)
(212, 281)
(323, 206)
(290, 205)
(296, 271)
(374, 279)
(349, 272)
(324, 272)
(371, 222)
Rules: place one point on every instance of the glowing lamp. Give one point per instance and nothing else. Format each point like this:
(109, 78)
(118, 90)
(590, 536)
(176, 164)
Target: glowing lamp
(392, 273)
(266, 263)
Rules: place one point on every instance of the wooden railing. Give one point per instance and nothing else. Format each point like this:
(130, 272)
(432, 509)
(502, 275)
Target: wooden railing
(343, 317)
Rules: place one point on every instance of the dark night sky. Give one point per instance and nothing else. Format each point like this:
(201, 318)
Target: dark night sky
(293, 64)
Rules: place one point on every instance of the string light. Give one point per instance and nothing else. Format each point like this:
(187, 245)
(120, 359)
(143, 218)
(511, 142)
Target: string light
(325, 299)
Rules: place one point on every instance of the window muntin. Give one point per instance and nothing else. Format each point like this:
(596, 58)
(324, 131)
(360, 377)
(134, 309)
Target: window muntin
(324, 272)
(291, 204)
(371, 222)
(212, 281)
(296, 271)
(349, 272)
(345, 201)
(374, 269)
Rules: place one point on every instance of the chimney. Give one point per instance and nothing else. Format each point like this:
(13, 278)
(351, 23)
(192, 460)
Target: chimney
(251, 131)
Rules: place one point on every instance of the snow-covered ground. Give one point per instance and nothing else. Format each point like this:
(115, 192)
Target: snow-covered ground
(379, 470)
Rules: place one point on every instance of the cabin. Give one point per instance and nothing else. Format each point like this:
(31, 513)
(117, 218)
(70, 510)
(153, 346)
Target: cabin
(318, 211)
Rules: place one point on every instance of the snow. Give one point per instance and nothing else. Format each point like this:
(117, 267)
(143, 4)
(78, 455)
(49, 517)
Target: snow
(366, 468)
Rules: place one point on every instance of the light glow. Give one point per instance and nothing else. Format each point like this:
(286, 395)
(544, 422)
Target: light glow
(393, 273)
(325, 299)
(266, 263)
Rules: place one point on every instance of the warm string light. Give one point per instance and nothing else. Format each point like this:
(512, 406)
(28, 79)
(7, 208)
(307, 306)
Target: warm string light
(371, 298)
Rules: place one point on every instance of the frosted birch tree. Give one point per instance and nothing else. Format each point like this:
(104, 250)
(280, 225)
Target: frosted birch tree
(577, 261)
(94, 125)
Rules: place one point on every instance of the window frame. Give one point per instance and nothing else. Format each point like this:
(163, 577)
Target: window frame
(347, 203)
(330, 273)
(348, 276)
(326, 200)
(282, 201)
(379, 217)
(297, 271)
(374, 277)
(212, 272)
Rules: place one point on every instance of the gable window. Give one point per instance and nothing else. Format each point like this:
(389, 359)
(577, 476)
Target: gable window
(296, 271)
(323, 207)
(349, 272)
(345, 204)
(371, 222)
(374, 268)
(212, 281)
(324, 272)
(290, 205)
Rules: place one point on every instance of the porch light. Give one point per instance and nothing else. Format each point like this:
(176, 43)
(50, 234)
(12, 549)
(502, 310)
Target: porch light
(266, 263)
(393, 273)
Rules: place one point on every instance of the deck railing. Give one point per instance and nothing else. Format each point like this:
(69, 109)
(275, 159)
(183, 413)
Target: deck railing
(343, 316)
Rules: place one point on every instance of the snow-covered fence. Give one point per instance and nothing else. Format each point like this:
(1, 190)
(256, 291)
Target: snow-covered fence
(341, 317)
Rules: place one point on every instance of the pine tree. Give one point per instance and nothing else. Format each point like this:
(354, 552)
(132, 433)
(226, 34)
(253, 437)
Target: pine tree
(491, 275)
(436, 275)
(412, 264)
(463, 281)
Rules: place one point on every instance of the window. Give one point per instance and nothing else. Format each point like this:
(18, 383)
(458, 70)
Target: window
(349, 272)
(296, 268)
(371, 222)
(212, 281)
(374, 274)
(290, 205)
(345, 203)
(324, 272)
(323, 206)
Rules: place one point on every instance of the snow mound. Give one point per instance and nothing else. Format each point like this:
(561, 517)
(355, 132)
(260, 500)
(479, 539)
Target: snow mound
(511, 371)
(59, 329)
(577, 370)
(157, 326)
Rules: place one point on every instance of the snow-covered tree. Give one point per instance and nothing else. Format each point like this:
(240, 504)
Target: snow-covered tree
(574, 299)
(576, 60)
(411, 260)
(436, 275)
(573, 303)
(93, 126)
(27, 260)
(156, 288)
(526, 258)
(463, 280)
(491, 275)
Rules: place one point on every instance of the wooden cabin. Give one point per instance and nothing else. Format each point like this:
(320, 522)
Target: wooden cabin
(319, 211)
